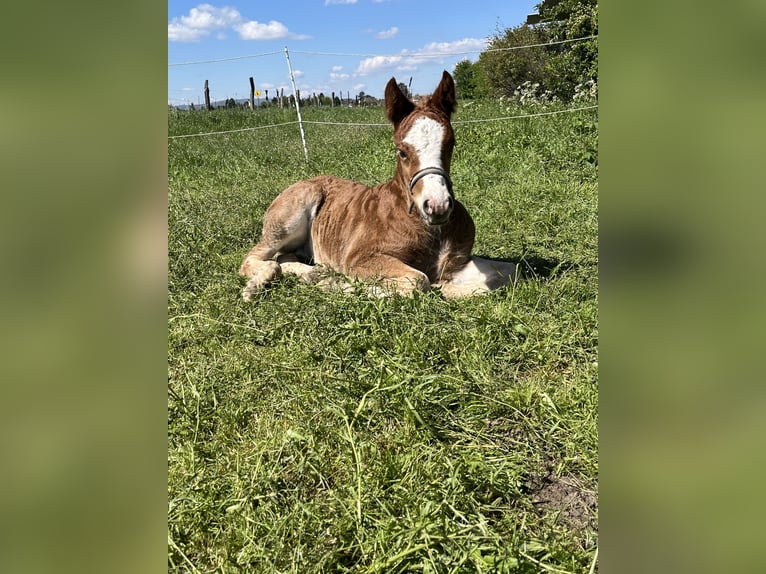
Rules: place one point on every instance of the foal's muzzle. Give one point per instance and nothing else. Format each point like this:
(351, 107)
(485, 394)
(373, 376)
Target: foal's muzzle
(435, 211)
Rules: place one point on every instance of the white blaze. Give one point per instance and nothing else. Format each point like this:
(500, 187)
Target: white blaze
(426, 136)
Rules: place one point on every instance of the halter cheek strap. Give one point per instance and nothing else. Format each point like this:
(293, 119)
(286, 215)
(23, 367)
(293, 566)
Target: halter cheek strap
(421, 174)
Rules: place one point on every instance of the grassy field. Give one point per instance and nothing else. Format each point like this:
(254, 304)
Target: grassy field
(311, 431)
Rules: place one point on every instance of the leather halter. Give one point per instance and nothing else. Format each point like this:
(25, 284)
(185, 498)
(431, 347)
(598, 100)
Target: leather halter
(420, 174)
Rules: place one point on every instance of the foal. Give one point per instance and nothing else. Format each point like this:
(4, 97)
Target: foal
(409, 233)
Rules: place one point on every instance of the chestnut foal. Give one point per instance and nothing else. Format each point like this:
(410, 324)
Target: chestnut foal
(408, 233)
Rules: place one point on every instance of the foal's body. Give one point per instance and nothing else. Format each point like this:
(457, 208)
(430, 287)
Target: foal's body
(375, 233)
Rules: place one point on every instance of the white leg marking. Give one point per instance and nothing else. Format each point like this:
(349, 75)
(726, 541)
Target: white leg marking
(264, 273)
(479, 276)
(308, 273)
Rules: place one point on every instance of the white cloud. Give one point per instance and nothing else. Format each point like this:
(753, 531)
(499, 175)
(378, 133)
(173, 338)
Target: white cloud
(257, 31)
(337, 68)
(181, 33)
(376, 63)
(205, 18)
(298, 74)
(335, 76)
(465, 45)
(386, 34)
(200, 22)
(326, 2)
(408, 61)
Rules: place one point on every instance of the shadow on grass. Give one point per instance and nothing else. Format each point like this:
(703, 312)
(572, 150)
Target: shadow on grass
(530, 266)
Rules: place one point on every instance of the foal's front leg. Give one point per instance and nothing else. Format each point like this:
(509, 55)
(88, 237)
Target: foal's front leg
(395, 275)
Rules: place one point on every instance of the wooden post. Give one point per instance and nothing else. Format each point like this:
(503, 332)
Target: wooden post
(207, 97)
(252, 93)
(332, 105)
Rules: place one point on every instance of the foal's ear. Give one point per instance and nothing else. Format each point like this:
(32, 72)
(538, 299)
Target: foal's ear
(398, 106)
(444, 95)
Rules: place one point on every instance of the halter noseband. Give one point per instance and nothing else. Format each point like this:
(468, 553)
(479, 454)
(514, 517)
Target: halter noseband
(424, 172)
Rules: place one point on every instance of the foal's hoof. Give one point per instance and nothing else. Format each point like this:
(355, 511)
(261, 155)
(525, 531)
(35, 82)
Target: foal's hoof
(262, 275)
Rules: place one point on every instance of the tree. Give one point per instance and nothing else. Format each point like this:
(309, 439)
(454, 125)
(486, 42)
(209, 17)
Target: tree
(558, 67)
(464, 81)
(470, 81)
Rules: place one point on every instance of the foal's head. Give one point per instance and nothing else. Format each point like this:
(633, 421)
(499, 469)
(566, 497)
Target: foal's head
(424, 141)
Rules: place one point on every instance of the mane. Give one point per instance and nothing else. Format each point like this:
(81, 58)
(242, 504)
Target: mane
(426, 103)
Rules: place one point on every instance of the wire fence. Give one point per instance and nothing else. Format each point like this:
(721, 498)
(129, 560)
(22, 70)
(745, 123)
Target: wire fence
(295, 102)
(434, 54)
(364, 124)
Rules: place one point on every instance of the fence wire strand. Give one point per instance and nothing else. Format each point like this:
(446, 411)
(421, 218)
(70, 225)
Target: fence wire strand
(223, 59)
(359, 124)
(399, 55)
(233, 131)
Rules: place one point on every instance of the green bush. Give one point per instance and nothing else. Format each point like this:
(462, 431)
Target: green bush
(557, 69)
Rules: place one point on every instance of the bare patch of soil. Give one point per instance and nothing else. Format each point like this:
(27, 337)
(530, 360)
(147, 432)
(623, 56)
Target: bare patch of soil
(577, 506)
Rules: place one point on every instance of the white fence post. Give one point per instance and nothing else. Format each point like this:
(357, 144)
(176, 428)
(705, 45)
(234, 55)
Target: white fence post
(297, 105)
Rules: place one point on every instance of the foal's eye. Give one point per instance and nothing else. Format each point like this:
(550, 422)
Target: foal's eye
(402, 154)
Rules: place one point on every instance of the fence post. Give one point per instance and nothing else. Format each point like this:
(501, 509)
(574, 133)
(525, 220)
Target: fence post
(297, 104)
(252, 93)
(207, 97)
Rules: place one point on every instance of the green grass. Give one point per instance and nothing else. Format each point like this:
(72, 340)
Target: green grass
(311, 431)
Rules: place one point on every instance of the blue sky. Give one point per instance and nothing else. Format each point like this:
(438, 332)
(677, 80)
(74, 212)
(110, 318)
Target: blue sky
(386, 32)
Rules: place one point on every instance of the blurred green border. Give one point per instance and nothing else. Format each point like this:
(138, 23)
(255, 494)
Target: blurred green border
(83, 152)
(682, 439)
(83, 247)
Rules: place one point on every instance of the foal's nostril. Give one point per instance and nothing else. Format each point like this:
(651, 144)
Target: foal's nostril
(450, 202)
(427, 206)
